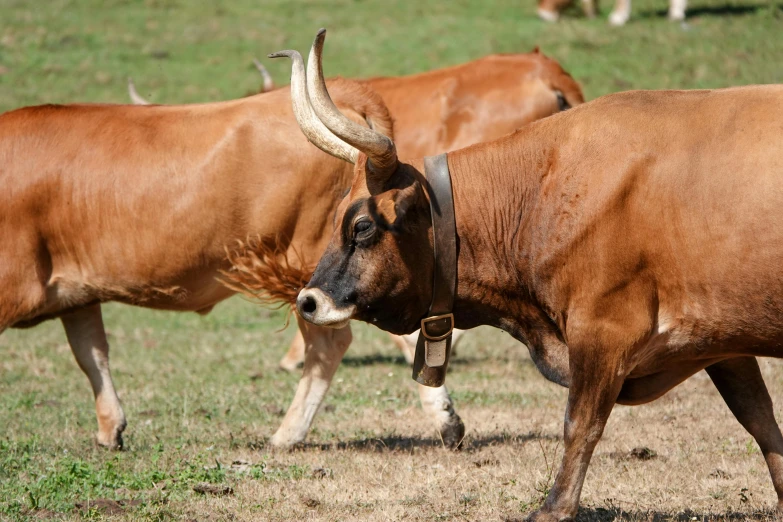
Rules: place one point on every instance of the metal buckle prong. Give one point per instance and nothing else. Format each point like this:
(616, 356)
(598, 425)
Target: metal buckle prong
(434, 318)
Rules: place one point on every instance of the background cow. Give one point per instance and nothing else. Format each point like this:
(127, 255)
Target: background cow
(549, 10)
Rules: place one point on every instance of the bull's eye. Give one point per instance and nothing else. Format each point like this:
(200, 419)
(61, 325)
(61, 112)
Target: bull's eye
(363, 228)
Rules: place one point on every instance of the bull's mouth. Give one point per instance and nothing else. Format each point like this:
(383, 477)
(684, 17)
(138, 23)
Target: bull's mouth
(318, 308)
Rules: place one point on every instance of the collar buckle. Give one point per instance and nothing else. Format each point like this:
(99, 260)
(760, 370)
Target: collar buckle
(437, 327)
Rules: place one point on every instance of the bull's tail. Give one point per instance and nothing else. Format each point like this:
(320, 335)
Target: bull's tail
(264, 272)
(567, 86)
(562, 82)
(570, 90)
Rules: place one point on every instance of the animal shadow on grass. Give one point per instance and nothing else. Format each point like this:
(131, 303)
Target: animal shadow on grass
(614, 513)
(710, 10)
(399, 360)
(403, 444)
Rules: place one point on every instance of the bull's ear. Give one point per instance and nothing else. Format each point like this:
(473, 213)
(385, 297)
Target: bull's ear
(391, 208)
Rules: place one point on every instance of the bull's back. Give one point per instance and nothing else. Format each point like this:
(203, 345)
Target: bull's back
(678, 191)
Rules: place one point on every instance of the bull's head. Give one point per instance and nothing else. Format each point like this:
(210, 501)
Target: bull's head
(378, 266)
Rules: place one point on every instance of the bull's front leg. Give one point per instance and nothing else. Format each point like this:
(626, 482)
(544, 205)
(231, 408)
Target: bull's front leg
(324, 349)
(596, 381)
(87, 337)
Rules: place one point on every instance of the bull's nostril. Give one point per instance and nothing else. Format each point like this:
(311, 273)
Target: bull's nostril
(308, 305)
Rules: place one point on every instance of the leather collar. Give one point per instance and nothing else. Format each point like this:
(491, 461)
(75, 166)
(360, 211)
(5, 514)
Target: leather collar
(434, 345)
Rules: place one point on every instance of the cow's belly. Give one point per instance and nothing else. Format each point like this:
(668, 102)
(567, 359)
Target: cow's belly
(197, 295)
(198, 291)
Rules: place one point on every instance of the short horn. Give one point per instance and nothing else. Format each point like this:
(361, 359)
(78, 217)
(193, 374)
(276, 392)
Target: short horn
(379, 148)
(315, 131)
(269, 83)
(134, 96)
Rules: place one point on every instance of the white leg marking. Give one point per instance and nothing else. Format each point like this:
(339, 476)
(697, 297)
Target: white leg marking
(621, 13)
(86, 335)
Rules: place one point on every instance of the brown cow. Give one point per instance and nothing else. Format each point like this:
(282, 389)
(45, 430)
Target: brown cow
(137, 204)
(630, 243)
(446, 109)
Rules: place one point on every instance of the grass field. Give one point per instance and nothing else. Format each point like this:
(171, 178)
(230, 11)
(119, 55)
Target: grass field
(202, 394)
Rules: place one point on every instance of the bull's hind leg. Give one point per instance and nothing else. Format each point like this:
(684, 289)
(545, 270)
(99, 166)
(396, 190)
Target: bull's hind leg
(741, 385)
(87, 338)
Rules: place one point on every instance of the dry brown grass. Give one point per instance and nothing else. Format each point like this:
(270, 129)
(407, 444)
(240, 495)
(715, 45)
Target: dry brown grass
(372, 454)
(705, 466)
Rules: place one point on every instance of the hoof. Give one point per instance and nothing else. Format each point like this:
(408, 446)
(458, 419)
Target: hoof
(284, 442)
(289, 365)
(113, 440)
(548, 16)
(676, 16)
(453, 433)
(618, 19)
(545, 516)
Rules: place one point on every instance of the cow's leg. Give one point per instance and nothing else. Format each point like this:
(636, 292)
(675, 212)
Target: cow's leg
(677, 9)
(437, 405)
(741, 385)
(589, 8)
(621, 12)
(324, 349)
(404, 344)
(296, 353)
(549, 10)
(87, 338)
(597, 374)
(435, 402)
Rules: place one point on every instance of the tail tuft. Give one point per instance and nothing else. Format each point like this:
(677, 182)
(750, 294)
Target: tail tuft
(262, 271)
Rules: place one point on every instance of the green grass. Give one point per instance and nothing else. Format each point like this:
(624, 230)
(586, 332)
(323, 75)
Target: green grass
(181, 51)
(203, 392)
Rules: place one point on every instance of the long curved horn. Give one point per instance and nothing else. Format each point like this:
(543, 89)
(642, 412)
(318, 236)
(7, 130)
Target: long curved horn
(134, 96)
(315, 131)
(269, 83)
(379, 149)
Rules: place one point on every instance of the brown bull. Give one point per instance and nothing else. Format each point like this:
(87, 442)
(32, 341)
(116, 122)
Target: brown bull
(630, 243)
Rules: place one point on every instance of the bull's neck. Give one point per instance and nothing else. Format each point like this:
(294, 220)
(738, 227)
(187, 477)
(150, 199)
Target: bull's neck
(496, 185)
